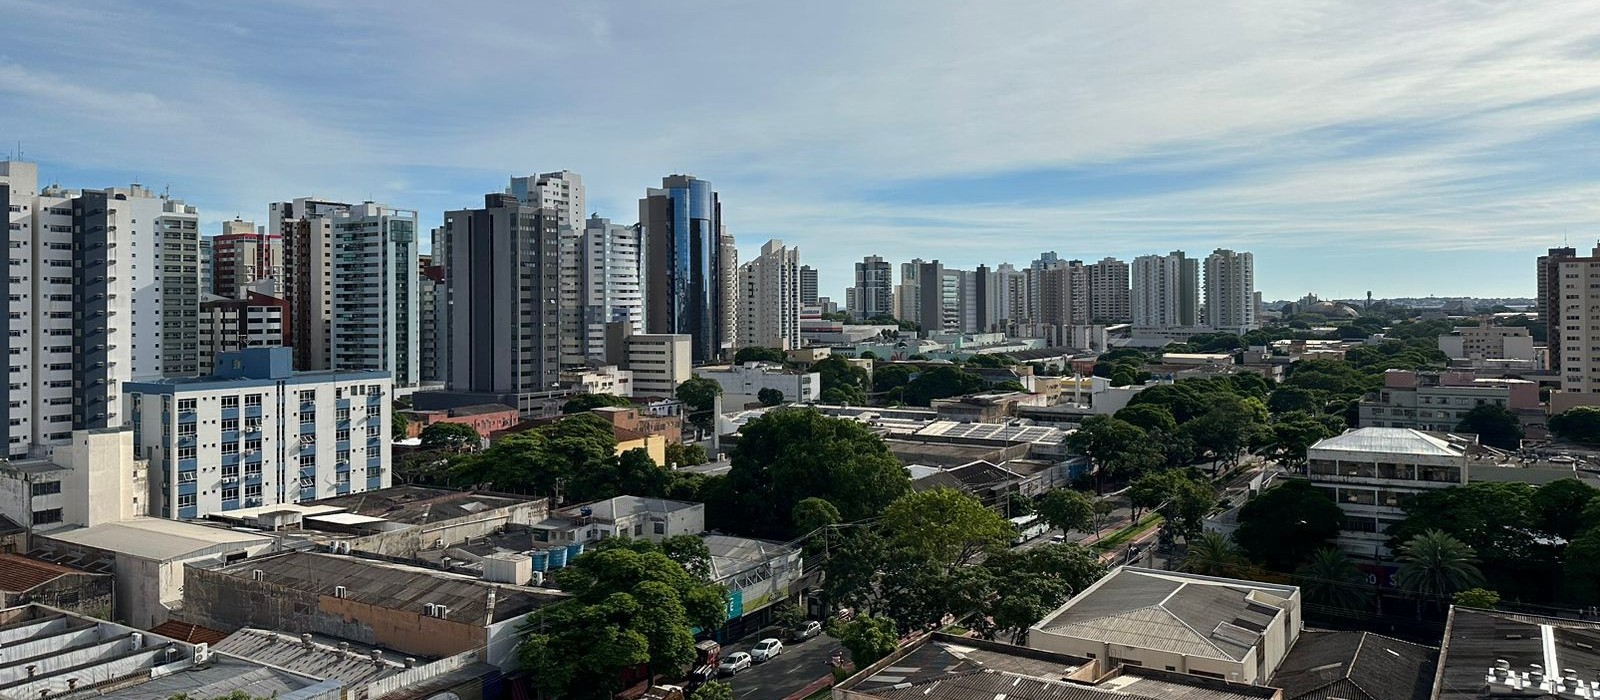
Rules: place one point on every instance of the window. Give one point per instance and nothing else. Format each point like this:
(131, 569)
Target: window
(308, 482)
(186, 405)
(230, 471)
(186, 477)
(308, 396)
(638, 529)
(344, 478)
(372, 430)
(252, 445)
(252, 400)
(343, 456)
(252, 491)
(342, 414)
(661, 528)
(45, 488)
(47, 516)
(186, 452)
(230, 493)
(230, 402)
(230, 425)
(230, 448)
(186, 429)
(186, 500)
(342, 434)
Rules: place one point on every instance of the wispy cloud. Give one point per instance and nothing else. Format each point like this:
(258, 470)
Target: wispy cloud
(1447, 140)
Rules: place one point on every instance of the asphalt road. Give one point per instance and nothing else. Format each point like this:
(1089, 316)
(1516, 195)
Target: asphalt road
(798, 665)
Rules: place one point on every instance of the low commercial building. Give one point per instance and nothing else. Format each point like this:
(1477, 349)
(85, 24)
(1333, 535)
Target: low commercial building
(743, 384)
(256, 432)
(52, 653)
(414, 611)
(608, 379)
(992, 407)
(1325, 664)
(758, 574)
(89, 480)
(149, 558)
(1491, 654)
(25, 580)
(487, 418)
(1438, 401)
(943, 667)
(653, 519)
(365, 672)
(1213, 627)
(1372, 472)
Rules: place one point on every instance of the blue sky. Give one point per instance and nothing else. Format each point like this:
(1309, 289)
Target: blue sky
(1402, 148)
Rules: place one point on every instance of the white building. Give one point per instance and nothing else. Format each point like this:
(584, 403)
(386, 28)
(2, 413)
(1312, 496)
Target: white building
(1231, 292)
(257, 433)
(1109, 300)
(90, 479)
(1484, 343)
(1166, 292)
(659, 362)
(103, 286)
(230, 325)
(607, 379)
(1213, 627)
(769, 293)
(742, 384)
(653, 519)
(908, 294)
(600, 285)
(1371, 472)
(561, 192)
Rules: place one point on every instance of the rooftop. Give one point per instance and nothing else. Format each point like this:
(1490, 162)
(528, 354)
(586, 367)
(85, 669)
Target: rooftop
(394, 586)
(419, 505)
(157, 538)
(731, 556)
(944, 667)
(1474, 640)
(354, 666)
(624, 506)
(188, 632)
(1394, 441)
(1324, 665)
(52, 652)
(19, 573)
(1197, 616)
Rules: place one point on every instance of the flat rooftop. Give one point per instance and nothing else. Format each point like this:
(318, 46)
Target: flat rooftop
(1474, 640)
(419, 505)
(394, 586)
(157, 538)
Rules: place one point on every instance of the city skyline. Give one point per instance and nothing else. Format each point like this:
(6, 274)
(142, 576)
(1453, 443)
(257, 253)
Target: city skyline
(1343, 147)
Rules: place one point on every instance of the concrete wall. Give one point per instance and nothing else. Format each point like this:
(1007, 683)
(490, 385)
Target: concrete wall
(228, 602)
(406, 543)
(85, 594)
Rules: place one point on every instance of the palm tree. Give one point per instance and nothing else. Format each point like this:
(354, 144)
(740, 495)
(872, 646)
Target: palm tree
(1330, 579)
(1213, 554)
(1435, 565)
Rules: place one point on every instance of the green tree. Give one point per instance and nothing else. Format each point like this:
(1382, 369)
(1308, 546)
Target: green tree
(1228, 428)
(1293, 433)
(398, 425)
(1151, 418)
(1017, 588)
(1330, 579)
(886, 377)
(713, 690)
(814, 513)
(1492, 518)
(1066, 510)
(842, 381)
(1284, 525)
(941, 382)
(1150, 490)
(755, 354)
(770, 396)
(587, 402)
(456, 437)
(686, 454)
(842, 462)
(1434, 566)
(1188, 502)
(944, 526)
(867, 355)
(1286, 399)
(699, 395)
(1117, 448)
(1494, 425)
(1213, 554)
(1558, 506)
(1580, 424)
(543, 461)
(867, 638)
(1581, 568)
(690, 552)
(1476, 598)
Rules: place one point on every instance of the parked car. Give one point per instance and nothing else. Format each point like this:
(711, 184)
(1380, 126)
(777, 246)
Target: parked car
(664, 692)
(766, 649)
(806, 630)
(1058, 538)
(734, 663)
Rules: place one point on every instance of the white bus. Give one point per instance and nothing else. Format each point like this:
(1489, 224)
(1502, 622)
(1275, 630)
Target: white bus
(1027, 527)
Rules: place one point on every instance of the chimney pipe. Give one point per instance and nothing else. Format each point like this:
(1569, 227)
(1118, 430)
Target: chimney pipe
(377, 657)
(305, 640)
(411, 662)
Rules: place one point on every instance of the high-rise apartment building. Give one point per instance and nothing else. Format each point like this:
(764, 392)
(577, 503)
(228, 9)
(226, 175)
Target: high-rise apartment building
(1109, 291)
(266, 434)
(230, 325)
(1034, 275)
(686, 276)
(104, 288)
(1231, 292)
(561, 193)
(207, 264)
(770, 294)
(241, 256)
(808, 285)
(1550, 298)
(1063, 300)
(729, 261)
(500, 317)
(429, 276)
(1166, 292)
(873, 293)
(605, 289)
(351, 281)
(908, 295)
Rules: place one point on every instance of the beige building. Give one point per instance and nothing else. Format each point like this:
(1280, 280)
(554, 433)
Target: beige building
(1213, 627)
(1486, 342)
(1575, 330)
(659, 362)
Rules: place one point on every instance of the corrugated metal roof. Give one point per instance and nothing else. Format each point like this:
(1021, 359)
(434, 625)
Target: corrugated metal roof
(355, 667)
(1391, 441)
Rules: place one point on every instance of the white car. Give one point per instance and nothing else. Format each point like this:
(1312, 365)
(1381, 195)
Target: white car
(766, 649)
(734, 663)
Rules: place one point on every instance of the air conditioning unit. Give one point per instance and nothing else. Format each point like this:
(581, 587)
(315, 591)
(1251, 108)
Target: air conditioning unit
(537, 580)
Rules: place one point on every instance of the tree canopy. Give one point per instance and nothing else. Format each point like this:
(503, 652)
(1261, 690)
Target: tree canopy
(769, 396)
(842, 462)
(940, 382)
(944, 526)
(1285, 524)
(759, 354)
(700, 394)
(450, 436)
(1579, 424)
(842, 381)
(1494, 425)
(1066, 510)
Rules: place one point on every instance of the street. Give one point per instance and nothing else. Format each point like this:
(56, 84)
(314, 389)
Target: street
(798, 665)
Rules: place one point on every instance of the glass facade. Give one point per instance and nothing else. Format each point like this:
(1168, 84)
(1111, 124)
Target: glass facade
(692, 233)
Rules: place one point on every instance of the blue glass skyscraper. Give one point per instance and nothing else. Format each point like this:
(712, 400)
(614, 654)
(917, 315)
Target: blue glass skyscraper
(682, 235)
